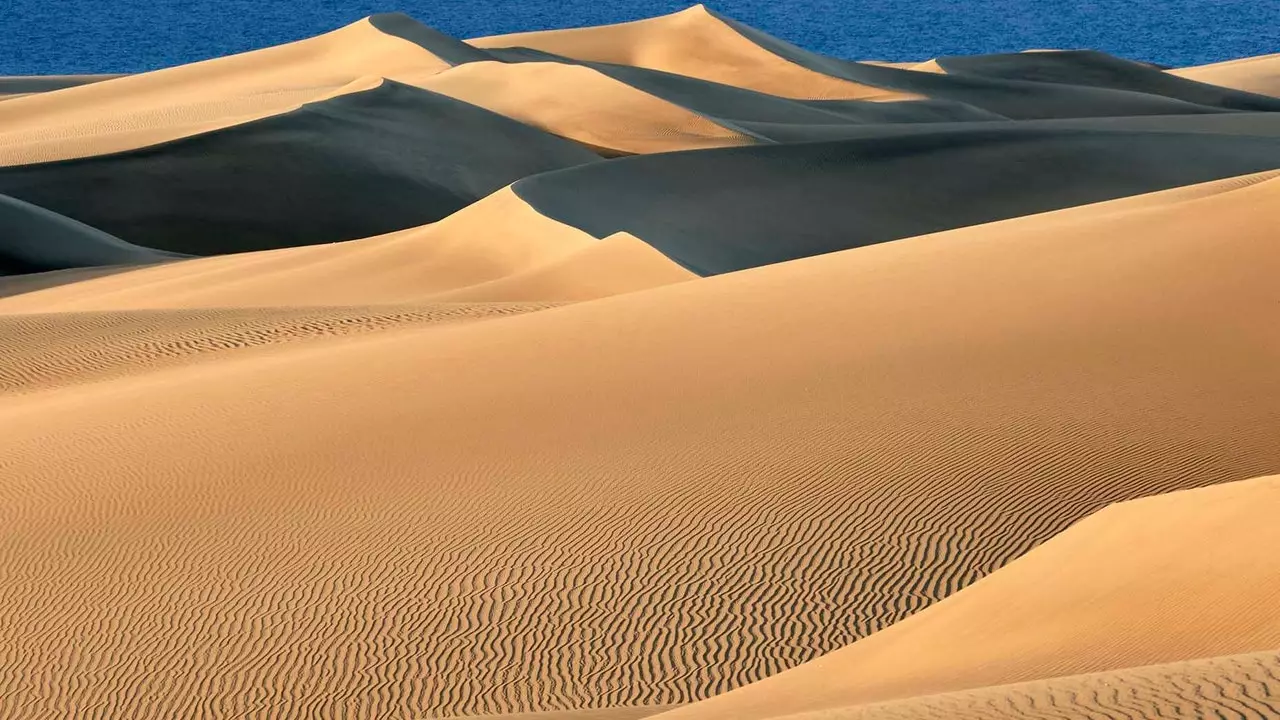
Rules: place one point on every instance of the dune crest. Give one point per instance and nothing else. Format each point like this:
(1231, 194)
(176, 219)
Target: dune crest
(695, 43)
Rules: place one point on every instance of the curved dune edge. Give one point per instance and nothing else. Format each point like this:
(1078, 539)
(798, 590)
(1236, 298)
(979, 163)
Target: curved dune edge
(617, 264)
(581, 104)
(142, 109)
(1245, 685)
(696, 44)
(507, 515)
(494, 250)
(1176, 577)
(1256, 74)
(34, 240)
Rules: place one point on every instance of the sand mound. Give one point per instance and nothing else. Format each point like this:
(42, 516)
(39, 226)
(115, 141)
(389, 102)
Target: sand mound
(206, 94)
(1256, 75)
(724, 210)
(359, 164)
(639, 500)
(1233, 686)
(1152, 581)
(696, 43)
(496, 250)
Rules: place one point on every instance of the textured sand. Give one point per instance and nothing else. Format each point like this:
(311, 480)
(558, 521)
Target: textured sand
(1177, 577)
(448, 419)
(443, 494)
(1236, 686)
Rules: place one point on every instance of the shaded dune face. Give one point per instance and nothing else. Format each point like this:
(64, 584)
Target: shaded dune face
(1069, 607)
(727, 210)
(356, 165)
(656, 368)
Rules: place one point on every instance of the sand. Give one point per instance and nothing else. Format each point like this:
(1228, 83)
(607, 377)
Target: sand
(1256, 75)
(662, 369)
(1198, 563)
(1232, 686)
(693, 42)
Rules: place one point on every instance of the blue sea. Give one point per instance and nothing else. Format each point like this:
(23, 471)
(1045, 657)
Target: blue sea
(89, 36)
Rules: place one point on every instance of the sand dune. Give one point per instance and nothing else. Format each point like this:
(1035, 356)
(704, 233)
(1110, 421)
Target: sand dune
(1147, 582)
(1237, 686)
(495, 250)
(582, 104)
(443, 500)
(696, 43)
(834, 396)
(1256, 75)
(1094, 69)
(359, 164)
(254, 84)
(726, 210)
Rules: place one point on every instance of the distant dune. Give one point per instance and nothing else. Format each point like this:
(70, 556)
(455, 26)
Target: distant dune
(662, 369)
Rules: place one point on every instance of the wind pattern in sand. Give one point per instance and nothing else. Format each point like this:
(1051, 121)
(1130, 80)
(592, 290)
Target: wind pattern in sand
(662, 369)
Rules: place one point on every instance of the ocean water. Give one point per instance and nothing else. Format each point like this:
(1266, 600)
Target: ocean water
(85, 36)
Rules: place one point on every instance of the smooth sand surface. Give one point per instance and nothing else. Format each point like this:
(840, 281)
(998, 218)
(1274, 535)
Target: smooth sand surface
(1235, 686)
(1177, 577)
(442, 491)
(1256, 74)
(448, 419)
(695, 43)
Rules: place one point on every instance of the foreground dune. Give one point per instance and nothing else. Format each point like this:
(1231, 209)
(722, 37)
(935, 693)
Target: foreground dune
(1147, 582)
(442, 499)
(657, 368)
(184, 100)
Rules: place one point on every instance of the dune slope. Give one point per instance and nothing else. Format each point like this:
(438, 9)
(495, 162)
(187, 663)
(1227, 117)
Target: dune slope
(33, 239)
(641, 500)
(1235, 686)
(359, 164)
(1153, 581)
